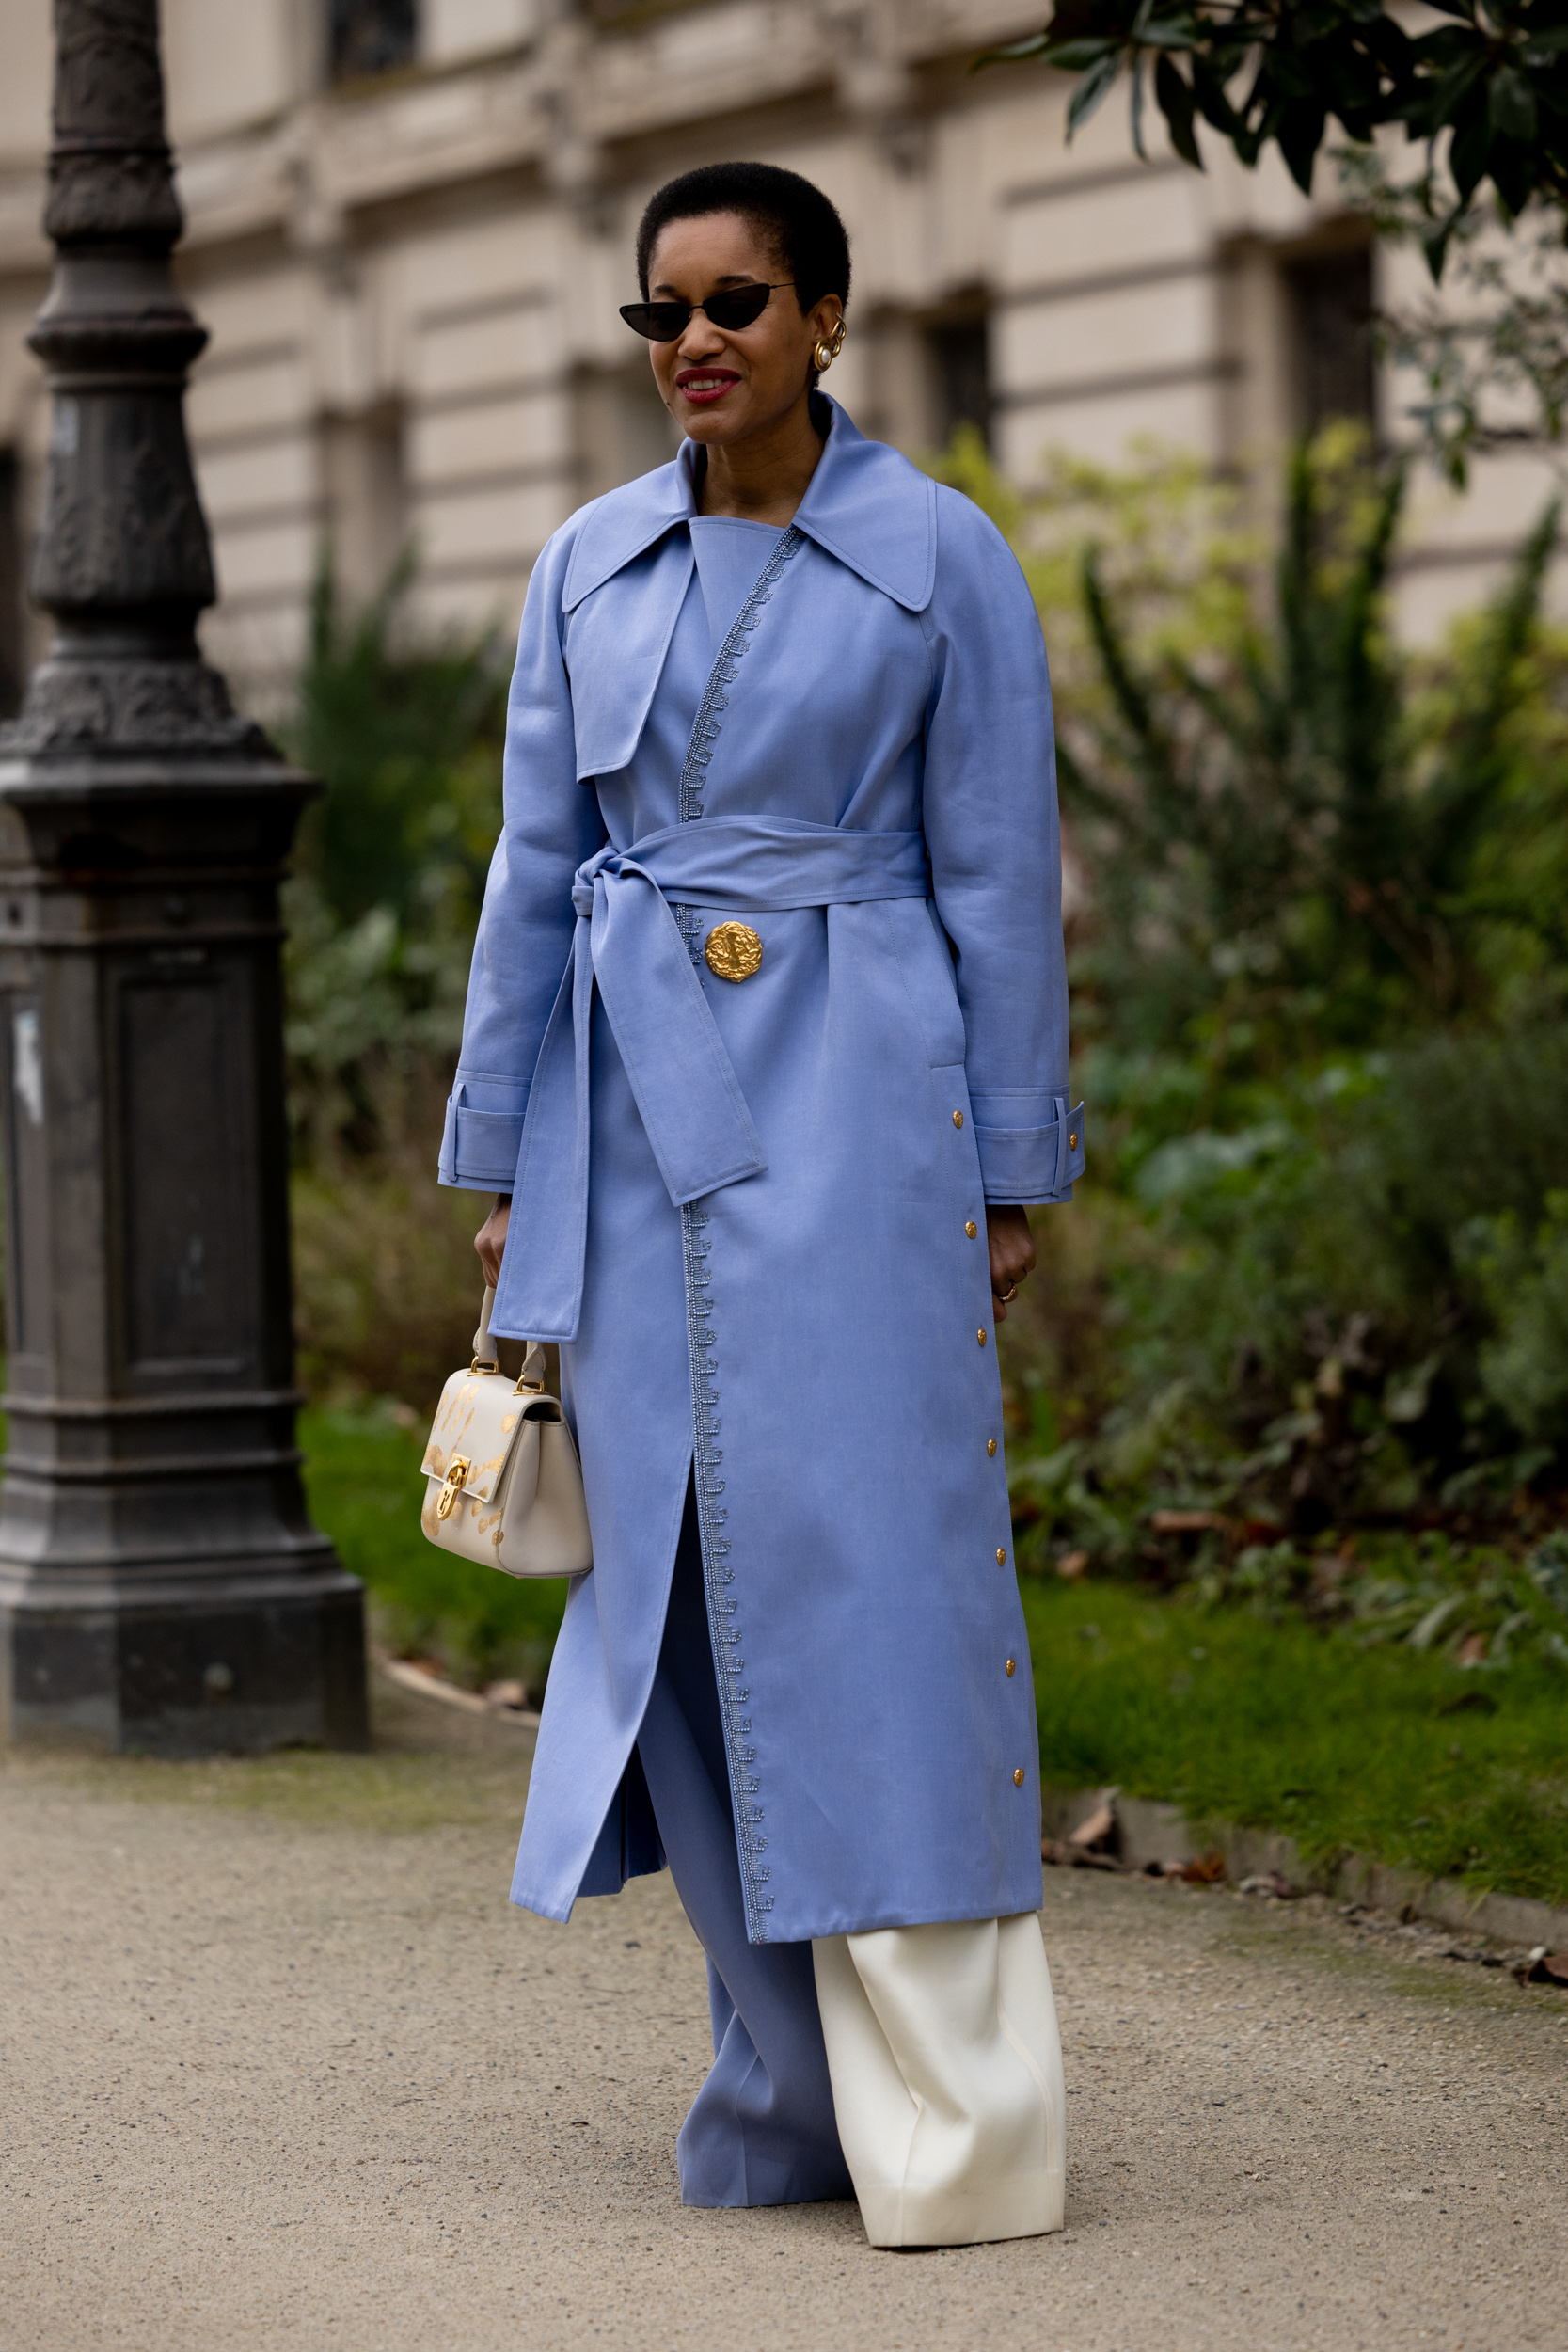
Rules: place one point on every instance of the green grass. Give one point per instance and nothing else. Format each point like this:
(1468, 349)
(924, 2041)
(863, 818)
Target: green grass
(363, 1482)
(1382, 1751)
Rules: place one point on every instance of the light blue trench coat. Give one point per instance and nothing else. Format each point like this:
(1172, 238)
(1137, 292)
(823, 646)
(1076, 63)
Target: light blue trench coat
(753, 1211)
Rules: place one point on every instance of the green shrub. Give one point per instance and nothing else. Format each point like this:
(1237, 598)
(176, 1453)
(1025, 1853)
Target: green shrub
(1524, 1369)
(1319, 973)
(387, 1283)
(406, 733)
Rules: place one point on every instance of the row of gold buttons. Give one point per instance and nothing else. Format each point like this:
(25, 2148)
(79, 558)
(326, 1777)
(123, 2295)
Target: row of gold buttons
(972, 1231)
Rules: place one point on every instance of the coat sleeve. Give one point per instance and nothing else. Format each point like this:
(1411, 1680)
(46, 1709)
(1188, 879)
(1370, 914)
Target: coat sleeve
(990, 812)
(550, 824)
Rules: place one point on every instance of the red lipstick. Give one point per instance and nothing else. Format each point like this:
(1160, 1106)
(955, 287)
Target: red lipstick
(704, 386)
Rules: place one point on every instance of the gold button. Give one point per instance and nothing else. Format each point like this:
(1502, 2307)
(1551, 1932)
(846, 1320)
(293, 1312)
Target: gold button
(1017, 1777)
(1071, 1141)
(981, 1337)
(1012, 1668)
(957, 1119)
(732, 951)
(1001, 1558)
(971, 1229)
(990, 1445)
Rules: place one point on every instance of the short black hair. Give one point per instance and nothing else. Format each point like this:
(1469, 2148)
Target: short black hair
(795, 218)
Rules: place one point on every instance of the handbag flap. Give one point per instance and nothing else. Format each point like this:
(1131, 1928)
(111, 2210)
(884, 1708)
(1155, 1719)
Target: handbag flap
(478, 1421)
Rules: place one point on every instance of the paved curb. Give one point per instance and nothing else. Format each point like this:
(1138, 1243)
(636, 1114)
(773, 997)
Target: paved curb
(1149, 1832)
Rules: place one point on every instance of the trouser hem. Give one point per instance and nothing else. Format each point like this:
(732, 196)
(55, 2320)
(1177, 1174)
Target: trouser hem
(1026, 2204)
(757, 2203)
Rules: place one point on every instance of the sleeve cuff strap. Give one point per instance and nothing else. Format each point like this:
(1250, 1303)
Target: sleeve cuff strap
(478, 1149)
(1032, 1164)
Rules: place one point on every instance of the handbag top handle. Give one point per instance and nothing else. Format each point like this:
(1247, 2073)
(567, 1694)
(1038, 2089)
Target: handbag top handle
(488, 1360)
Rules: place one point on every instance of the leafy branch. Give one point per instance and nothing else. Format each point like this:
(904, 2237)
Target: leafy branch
(1492, 82)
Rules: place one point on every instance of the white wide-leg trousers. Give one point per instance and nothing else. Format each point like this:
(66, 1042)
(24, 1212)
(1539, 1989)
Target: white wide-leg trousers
(918, 2065)
(946, 2070)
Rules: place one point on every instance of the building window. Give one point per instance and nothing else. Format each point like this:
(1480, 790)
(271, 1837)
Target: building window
(1330, 296)
(12, 603)
(959, 351)
(367, 501)
(923, 374)
(371, 37)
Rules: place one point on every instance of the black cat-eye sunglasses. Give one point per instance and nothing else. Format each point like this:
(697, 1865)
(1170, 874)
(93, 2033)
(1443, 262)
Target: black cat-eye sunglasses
(666, 322)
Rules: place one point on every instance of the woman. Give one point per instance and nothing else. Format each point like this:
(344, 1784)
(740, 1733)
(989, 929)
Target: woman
(765, 1042)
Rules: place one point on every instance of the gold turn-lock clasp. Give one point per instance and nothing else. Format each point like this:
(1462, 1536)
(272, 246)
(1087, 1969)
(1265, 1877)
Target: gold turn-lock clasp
(451, 1486)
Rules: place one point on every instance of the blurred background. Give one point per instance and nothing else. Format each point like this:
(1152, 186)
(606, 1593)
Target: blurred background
(409, 223)
(1298, 1354)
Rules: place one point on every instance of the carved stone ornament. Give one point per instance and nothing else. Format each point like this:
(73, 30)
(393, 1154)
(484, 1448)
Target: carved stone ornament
(110, 171)
(132, 706)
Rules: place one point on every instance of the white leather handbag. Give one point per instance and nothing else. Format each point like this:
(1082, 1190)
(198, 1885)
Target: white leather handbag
(503, 1485)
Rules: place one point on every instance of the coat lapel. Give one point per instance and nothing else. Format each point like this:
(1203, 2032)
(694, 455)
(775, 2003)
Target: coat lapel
(617, 640)
(869, 507)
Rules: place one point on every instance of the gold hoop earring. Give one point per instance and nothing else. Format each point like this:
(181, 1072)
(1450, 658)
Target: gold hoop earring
(828, 349)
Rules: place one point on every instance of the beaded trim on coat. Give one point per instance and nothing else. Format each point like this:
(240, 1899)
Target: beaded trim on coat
(719, 1576)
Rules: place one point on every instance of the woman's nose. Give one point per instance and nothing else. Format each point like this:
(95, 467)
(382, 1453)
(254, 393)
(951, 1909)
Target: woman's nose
(701, 341)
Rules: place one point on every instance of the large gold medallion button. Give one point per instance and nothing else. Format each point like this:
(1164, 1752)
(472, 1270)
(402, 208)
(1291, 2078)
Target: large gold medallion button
(733, 951)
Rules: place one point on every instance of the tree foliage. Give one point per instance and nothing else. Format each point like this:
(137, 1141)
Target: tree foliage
(1492, 82)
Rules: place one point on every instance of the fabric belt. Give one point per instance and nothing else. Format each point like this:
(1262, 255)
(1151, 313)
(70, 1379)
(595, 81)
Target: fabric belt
(628, 946)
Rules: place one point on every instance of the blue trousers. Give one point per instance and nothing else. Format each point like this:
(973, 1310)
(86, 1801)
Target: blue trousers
(761, 2130)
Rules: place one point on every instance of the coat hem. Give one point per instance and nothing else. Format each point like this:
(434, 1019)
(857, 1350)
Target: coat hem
(542, 1908)
(943, 1912)
(838, 1923)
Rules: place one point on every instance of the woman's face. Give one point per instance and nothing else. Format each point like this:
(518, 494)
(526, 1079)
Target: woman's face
(720, 386)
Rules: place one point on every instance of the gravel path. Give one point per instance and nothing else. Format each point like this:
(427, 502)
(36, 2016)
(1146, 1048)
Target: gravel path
(279, 2066)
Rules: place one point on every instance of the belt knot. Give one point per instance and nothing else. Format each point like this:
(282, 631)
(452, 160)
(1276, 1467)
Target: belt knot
(629, 946)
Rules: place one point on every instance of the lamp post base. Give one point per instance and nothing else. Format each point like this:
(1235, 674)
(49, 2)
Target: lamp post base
(202, 1675)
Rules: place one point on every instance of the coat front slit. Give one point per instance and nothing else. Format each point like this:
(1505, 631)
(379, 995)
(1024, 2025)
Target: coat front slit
(753, 1212)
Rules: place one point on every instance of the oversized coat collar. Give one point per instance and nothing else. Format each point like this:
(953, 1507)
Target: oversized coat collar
(866, 506)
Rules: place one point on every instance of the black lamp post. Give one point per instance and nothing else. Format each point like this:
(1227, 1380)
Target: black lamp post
(161, 1584)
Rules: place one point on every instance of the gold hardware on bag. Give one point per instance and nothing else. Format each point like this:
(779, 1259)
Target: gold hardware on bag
(527, 1388)
(451, 1486)
(732, 951)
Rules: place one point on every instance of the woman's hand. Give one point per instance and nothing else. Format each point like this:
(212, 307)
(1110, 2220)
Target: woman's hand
(1012, 1254)
(490, 1240)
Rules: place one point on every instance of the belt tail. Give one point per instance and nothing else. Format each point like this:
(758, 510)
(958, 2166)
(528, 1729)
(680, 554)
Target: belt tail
(690, 1099)
(540, 1293)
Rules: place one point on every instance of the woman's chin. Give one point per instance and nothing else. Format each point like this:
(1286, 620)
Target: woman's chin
(713, 421)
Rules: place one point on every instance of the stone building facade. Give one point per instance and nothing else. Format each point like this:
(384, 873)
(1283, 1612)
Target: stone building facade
(410, 223)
